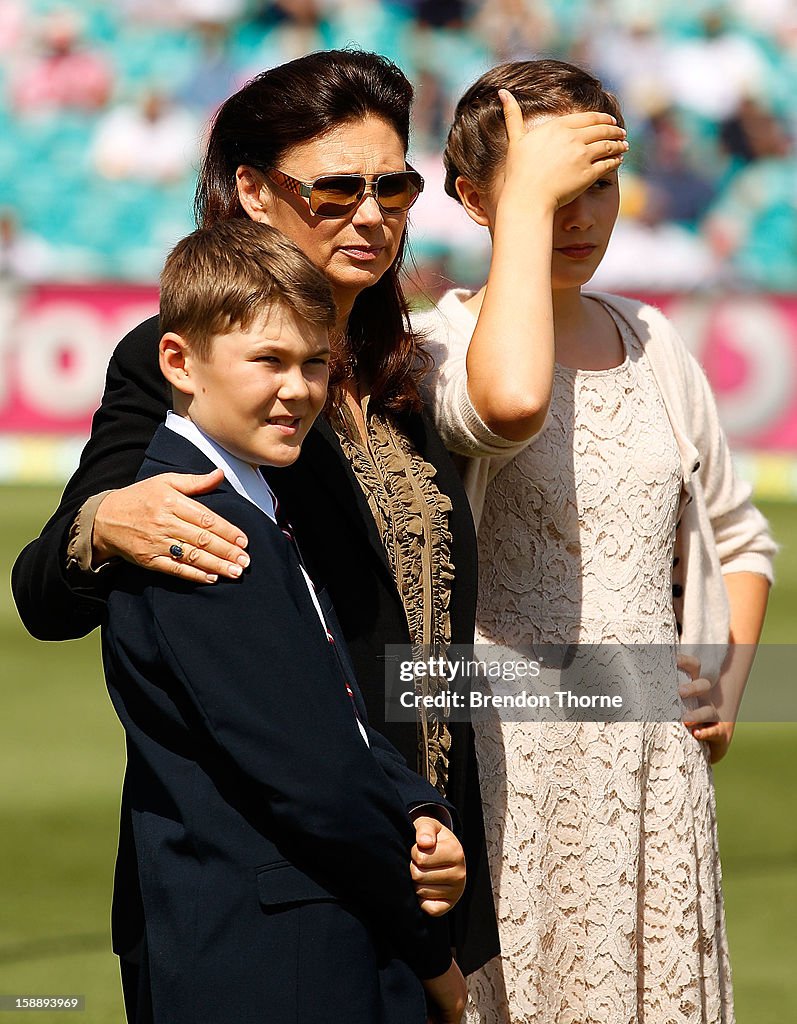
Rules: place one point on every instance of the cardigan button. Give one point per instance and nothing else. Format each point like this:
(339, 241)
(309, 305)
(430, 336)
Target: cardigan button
(677, 590)
(696, 466)
(675, 561)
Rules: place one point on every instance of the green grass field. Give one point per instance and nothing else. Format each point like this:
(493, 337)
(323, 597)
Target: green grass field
(61, 763)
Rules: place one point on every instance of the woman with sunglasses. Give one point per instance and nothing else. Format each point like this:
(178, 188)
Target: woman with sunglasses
(316, 148)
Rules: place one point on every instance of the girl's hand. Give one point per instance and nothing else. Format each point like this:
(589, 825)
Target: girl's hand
(703, 720)
(556, 160)
(141, 522)
(437, 867)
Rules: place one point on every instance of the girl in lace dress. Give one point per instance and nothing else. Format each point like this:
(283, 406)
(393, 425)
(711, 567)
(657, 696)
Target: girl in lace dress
(608, 513)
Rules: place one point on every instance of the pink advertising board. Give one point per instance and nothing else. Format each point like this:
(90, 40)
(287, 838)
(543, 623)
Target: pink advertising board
(747, 344)
(55, 342)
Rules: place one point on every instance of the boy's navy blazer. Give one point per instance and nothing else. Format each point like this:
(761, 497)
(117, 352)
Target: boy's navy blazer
(343, 552)
(270, 843)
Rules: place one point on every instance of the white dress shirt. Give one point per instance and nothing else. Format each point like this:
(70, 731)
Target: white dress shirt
(250, 483)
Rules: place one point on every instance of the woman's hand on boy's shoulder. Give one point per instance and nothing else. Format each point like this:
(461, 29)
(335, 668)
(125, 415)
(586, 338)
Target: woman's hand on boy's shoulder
(155, 523)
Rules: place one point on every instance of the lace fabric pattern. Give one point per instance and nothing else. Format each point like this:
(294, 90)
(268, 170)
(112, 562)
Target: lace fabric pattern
(602, 837)
(411, 513)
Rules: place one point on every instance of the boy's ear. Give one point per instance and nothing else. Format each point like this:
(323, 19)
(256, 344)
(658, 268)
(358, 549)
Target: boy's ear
(252, 193)
(471, 199)
(175, 362)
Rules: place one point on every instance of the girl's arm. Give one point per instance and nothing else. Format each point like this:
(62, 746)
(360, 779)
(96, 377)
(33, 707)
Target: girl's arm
(510, 360)
(748, 593)
(745, 548)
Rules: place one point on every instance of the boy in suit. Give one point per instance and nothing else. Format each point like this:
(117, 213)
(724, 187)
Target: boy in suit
(266, 836)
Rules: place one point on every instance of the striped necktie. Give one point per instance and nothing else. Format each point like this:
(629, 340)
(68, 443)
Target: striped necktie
(287, 530)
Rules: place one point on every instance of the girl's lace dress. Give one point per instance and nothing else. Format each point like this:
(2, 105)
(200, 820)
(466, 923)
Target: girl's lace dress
(602, 837)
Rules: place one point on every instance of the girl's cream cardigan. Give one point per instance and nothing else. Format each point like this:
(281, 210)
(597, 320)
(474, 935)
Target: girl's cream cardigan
(720, 531)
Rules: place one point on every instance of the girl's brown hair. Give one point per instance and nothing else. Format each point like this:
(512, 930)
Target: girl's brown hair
(476, 144)
(291, 104)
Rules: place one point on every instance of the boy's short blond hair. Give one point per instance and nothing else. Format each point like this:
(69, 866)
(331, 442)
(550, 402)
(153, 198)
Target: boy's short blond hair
(223, 277)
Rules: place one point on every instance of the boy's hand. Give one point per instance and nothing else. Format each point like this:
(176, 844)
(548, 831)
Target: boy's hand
(559, 158)
(437, 867)
(703, 720)
(446, 996)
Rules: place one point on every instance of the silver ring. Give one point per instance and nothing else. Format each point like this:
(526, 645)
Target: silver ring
(176, 550)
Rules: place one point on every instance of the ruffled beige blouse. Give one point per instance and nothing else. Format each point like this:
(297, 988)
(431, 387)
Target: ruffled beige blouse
(411, 514)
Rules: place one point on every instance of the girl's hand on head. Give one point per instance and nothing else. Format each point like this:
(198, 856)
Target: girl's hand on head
(556, 160)
(702, 720)
(140, 523)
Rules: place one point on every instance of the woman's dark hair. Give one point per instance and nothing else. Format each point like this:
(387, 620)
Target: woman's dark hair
(284, 107)
(476, 144)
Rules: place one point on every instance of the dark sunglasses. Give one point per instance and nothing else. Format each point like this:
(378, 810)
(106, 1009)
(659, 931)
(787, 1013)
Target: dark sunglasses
(333, 195)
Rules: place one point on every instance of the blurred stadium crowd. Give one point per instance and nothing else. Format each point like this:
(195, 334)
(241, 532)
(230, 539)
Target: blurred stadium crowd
(102, 109)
